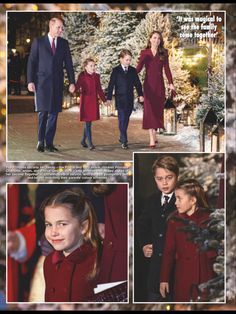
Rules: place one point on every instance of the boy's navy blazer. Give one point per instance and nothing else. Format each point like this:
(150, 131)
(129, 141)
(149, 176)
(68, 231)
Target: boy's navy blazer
(124, 84)
(151, 229)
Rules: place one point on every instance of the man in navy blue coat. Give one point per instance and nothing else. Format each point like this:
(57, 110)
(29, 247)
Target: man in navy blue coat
(48, 56)
(124, 78)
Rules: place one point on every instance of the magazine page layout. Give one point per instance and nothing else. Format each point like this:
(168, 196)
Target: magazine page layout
(117, 148)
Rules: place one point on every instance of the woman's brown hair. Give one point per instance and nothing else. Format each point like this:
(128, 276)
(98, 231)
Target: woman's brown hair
(161, 50)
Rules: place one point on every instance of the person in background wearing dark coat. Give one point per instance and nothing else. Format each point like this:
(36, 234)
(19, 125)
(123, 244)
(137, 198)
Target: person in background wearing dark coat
(154, 58)
(151, 224)
(88, 83)
(71, 270)
(192, 266)
(14, 73)
(124, 78)
(48, 55)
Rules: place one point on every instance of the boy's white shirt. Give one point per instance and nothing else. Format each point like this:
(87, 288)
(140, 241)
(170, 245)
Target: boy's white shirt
(163, 198)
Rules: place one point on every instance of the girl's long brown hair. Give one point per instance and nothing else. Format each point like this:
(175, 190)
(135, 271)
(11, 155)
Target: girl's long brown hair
(193, 188)
(79, 205)
(160, 50)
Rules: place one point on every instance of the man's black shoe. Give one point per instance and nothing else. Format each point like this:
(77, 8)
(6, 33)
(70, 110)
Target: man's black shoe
(40, 148)
(51, 148)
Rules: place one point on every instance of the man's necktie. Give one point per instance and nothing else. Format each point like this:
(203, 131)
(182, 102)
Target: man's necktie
(166, 197)
(53, 46)
(126, 70)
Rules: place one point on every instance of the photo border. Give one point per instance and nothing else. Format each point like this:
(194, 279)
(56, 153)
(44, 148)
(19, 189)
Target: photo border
(128, 246)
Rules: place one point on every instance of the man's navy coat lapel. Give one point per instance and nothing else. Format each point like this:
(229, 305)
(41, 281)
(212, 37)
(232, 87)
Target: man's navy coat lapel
(47, 44)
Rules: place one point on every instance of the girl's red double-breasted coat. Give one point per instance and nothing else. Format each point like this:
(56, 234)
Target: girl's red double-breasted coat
(67, 278)
(90, 88)
(192, 266)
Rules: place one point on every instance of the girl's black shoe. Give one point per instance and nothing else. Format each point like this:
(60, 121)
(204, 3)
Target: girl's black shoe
(83, 144)
(91, 147)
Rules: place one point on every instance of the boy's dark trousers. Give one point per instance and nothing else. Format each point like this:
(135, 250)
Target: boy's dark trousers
(123, 117)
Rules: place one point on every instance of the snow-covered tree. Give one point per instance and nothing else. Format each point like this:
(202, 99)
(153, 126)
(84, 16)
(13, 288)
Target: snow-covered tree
(80, 27)
(152, 21)
(110, 37)
(214, 96)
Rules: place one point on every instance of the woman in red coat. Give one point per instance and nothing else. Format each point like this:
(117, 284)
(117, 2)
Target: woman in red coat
(154, 58)
(88, 83)
(70, 227)
(192, 266)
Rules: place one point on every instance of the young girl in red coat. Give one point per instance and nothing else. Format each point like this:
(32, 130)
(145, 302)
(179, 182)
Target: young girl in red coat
(192, 266)
(71, 270)
(88, 83)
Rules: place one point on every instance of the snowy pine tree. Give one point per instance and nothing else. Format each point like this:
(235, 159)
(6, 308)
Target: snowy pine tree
(109, 38)
(152, 21)
(214, 98)
(80, 27)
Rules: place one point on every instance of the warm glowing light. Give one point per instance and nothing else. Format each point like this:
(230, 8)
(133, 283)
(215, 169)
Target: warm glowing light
(127, 164)
(168, 307)
(199, 56)
(3, 112)
(13, 50)
(2, 54)
(34, 7)
(8, 5)
(28, 40)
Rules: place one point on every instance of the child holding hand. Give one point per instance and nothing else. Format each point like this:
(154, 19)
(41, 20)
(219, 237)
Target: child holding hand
(88, 83)
(123, 79)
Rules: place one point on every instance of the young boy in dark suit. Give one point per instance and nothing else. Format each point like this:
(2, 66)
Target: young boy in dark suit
(124, 78)
(151, 224)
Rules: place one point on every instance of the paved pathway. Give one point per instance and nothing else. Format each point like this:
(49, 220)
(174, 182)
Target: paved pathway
(22, 139)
